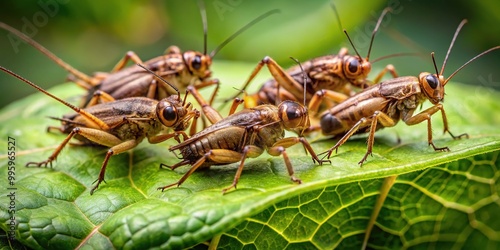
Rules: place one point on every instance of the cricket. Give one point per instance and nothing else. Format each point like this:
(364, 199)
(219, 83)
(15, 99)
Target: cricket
(120, 125)
(384, 104)
(245, 134)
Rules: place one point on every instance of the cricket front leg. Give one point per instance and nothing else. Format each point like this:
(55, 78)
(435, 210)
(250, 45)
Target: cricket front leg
(163, 137)
(192, 129)
(363, 121)
(426, 115)
(277, 150)
(290, 141)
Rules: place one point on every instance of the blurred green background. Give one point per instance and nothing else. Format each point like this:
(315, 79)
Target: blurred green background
(93, 36)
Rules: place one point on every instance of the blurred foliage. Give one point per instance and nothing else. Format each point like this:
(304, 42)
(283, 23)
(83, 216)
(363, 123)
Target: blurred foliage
(93, 36)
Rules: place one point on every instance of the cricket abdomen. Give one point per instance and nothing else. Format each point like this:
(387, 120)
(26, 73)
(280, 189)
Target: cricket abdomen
(229, 138)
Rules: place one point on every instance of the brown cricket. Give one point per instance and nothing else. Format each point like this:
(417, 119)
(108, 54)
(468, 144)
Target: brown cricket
(329, 78)
(245, 134)
(122, 124)
(179, 68)
(384, 104)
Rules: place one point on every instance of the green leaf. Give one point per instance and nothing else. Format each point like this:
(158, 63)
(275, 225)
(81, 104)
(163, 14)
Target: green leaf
(440, 199)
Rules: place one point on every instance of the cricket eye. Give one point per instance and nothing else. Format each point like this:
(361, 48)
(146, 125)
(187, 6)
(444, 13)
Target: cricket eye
(292, 114)
(196, 64)
(167, 113)
(353, 66)
(432, 81)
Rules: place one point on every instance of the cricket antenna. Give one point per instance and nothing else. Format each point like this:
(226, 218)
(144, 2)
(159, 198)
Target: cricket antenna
(471, 60)
(75, 108)
(374, 32)
(91, 118)
(203, 13)
(397, 55)
(434, 62)
(305, 77)
(379, 21)
(47, 53)
(334, 8)
(452, 43)
(352, 44)
(336, 15)
(244, 28)
(160, 78)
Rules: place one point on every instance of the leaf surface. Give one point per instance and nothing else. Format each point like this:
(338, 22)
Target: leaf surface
(439, 198)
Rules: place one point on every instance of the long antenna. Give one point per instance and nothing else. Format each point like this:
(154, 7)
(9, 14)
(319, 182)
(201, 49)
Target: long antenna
(75, 108)
(374, 32)
(434, 63)
(47, 53)
(344, 30)
(397, 55)
(452, 43)
(337, 15)
(160, 78)
(89, 116)
(305, 78)
(203, 13)
(471, 60)
(250, 24)
(379, 21)
(352, 44)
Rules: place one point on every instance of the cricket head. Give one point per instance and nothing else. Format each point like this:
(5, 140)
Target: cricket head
(198, 64)
(175, 113)
(294, 116)
(432, 86)
(356, 70)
